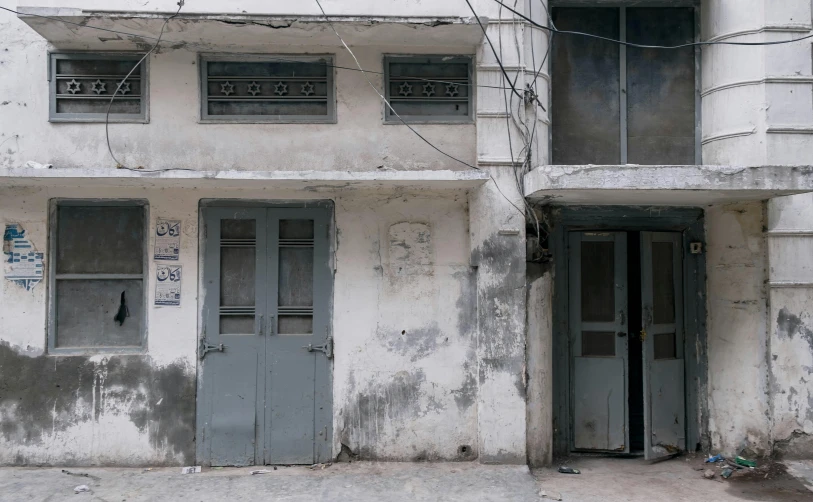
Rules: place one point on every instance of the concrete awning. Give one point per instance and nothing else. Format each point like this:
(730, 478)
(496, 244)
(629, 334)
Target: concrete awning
(312, 181)
(664, 185)
(69, 28)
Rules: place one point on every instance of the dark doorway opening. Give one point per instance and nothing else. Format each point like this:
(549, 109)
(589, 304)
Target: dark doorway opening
(635, 391)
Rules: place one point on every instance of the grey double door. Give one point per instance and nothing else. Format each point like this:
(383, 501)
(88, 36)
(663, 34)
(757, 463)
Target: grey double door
(600, 337)
(265, 391)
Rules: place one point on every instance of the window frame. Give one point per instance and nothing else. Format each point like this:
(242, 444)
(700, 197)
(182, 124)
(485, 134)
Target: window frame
(141, 118)
(203, 92)
(429, 119)
(53, 231)
(622, 6)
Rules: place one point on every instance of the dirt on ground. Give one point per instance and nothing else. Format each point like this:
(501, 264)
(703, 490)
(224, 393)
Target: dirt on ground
(770, 480)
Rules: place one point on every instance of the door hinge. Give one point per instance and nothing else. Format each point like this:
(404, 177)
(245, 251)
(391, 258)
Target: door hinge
(206, 347)
(326, 347)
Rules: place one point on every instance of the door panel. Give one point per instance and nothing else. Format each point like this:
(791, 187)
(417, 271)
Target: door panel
(600, 414)
(267, 395)
(298, 242)
(598, 340)
(234, 275)
(662, 336)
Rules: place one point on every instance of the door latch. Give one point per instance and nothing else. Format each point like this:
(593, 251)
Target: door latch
(326, 347)
(207, 347)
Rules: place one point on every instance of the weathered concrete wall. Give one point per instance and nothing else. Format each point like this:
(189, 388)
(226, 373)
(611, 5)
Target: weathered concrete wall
(539, 361)
(757, 105)
(404, 321)
(738, 392)
(790, 238)
(174, 138)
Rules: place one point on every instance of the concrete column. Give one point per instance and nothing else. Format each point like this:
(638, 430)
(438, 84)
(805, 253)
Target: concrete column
(757, 110)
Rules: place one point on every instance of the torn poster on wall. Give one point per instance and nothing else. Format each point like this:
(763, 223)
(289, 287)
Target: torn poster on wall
(167, 239)
(168, 285)
(24, 262)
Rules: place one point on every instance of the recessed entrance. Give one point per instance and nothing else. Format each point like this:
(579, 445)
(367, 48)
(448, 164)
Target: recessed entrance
(630, 295)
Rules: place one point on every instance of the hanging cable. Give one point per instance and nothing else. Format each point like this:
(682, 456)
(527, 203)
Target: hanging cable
(386, 102)
(110, 105)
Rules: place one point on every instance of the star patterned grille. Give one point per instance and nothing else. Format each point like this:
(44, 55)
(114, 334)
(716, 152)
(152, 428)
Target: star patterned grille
(73, 86)
(254, 88)
(98, 87)
(281, 89)
(429, 89)
(452, 90)
(307, 89)
(124, 87)
(226, 88)
(405, 89)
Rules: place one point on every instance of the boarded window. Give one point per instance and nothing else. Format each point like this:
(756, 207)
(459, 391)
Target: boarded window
(285, 88)
(429, 89)
(98, 276)
(83, 85)
(613, 104)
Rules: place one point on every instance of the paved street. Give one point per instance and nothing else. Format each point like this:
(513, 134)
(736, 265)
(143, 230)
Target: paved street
(601, 479)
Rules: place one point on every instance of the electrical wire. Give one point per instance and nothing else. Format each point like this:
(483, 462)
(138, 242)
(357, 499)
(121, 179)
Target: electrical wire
(386, 102)
(644, 46)
(276, 58)
(113, 97)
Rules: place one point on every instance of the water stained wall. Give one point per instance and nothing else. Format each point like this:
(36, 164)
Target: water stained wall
(404, 322)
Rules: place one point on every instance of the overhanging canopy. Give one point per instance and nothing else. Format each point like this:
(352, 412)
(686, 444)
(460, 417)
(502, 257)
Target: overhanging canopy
(664, 185)
(68, 28)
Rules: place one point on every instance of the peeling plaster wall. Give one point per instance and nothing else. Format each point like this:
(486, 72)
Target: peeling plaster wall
(737, 328)
(757, 104)
(404, 321)
(790, 234)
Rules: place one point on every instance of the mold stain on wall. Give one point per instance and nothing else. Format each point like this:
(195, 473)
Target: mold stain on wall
(44, 395)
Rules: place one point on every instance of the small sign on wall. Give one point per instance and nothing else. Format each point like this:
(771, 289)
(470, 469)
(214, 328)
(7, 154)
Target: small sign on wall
(167, 240)
(168, 285)
(24, 262)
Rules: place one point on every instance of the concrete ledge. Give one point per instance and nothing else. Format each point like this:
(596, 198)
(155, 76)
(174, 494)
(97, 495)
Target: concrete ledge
(664, 185)
(295, 180)
(78, 28)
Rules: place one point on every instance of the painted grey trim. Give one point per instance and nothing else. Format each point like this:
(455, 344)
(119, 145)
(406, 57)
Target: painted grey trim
(622, 95)
(205, 118)
(698, 87)
(439, 119)
(50, 260)
(140, 118)
(623, 112)
(690, 222)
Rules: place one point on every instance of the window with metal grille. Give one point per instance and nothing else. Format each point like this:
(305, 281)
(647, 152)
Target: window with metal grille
(613, 104)
(286, 88)
(429, 88)
(83, 84)
(97, 276)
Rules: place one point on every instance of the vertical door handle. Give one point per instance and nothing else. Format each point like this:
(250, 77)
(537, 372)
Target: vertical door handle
(272, 325)
(260, 325)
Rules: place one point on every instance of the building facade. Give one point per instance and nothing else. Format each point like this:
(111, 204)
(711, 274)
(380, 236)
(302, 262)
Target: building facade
(494, 243)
